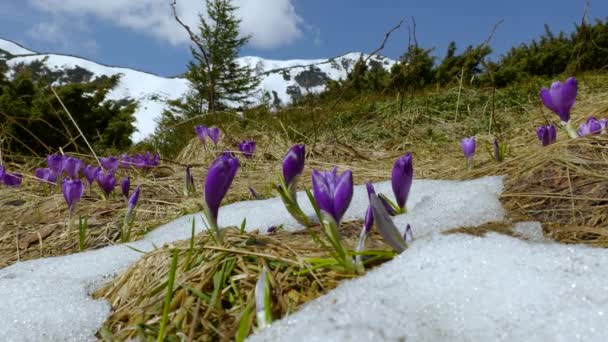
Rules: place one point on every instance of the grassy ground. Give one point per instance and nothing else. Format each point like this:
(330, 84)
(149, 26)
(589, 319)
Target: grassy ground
(563, 186)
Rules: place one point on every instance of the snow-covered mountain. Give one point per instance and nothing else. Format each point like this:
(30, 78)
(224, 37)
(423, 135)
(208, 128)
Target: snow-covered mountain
(281, 81)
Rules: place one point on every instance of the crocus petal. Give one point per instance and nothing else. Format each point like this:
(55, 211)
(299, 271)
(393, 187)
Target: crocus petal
(343, 194)
(133, 200)
(322, 192)
(214, 134)
(125, 186)
(72, 192)
(468, 147)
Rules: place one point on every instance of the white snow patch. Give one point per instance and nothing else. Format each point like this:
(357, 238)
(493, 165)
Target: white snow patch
(14, 48)
(464, 288)
(45, 299)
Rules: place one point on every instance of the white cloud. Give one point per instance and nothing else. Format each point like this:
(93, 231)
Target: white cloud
(271, 23)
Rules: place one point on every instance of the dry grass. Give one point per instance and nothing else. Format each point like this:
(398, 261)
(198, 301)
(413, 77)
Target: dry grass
(230, 271)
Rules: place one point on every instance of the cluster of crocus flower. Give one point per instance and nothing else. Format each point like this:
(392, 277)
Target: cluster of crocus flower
(204, 132)
(468, 146)
(246, 147)
(139, 161)
(218, 181)
(559, 99)
(592, 126)
(293, 166)
(10, 179)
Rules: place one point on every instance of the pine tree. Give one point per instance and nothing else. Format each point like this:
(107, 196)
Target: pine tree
(216, 77)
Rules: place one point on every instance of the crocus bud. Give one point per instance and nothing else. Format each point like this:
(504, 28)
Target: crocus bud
(546, 134)
(560, 98)
(125, 186)
(401, 180)
(106, 182)
(247, 148)
(110, 164)
(132, 203)
(188, 181)
(202, 132)
(72, 192)
(214, 134)
(90, 173)
(369, 214)
(332, 192)
(293, 164)
(218, 181)
(72, 166)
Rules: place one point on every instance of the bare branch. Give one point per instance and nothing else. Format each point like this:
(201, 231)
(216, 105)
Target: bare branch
(193, 37)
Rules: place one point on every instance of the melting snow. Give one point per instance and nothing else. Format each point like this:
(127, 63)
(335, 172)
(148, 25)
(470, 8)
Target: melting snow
(442, 288)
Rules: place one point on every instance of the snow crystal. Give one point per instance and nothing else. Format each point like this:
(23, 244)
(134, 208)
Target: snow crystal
(47, 298)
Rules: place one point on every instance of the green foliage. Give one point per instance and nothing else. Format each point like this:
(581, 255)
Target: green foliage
(466, 65)
(34, 122)
(413, 71)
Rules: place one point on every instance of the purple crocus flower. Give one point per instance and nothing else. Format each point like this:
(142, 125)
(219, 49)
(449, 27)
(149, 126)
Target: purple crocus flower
(72, 189)
(72, 166)
(592, 126)
(401, 180)
(546, 134)
(218, 181)
(369, 214)
(106, 182)
(202, 132)
(214, 134)
(10, 179)
(468, 148)
(90, 173)
(46, 175)
(109, 164)
(332, 192)
(125, 186)
(132, 202)
(560, 98)
(247, 148)
(293, 163)
(55, 163)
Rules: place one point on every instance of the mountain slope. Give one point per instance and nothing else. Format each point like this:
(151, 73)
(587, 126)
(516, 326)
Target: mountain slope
(281, 81)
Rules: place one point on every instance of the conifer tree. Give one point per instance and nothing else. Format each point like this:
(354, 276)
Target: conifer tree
(216, 77)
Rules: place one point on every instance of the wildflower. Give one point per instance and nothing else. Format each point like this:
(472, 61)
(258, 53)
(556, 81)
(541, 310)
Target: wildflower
(214, 134)
(247, 148)
(401, 180)
(560, 99)
(546, 134)
(72, 166)
(468, 148)
(132, 202)
(110, 164)
(368, 223)
(218, 181)
(46, 175)
(385, 225)
(124, 161)
(55, 163)
(293, 165)
(125, 186)
(499, 150)
(332, 193)
(106, 182)
(72, 189)
(90, 173)
(10, 179)
(592, 126)
(202, 132)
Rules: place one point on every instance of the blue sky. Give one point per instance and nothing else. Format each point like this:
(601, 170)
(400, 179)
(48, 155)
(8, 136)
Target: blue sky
(142, 34)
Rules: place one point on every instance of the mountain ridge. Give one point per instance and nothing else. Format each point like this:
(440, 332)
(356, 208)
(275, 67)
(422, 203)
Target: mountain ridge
(282, 81)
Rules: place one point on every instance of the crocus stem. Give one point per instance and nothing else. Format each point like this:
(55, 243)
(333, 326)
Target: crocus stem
(571, 131)
(469, 164)
(360, 246)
